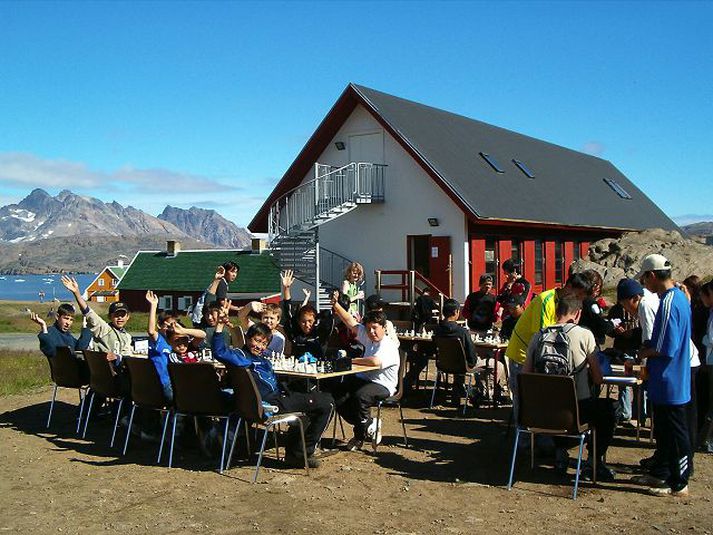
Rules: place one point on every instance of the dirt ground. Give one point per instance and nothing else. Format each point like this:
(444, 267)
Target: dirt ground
(451, 480)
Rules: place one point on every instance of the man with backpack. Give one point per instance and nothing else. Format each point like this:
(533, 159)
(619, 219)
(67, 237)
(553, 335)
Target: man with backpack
(565, 348)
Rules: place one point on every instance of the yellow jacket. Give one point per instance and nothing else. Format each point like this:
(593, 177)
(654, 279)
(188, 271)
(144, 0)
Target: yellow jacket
(540, 313)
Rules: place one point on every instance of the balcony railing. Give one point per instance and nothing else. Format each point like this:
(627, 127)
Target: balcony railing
(333, 191)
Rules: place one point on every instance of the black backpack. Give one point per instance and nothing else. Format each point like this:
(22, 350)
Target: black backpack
(553, 356)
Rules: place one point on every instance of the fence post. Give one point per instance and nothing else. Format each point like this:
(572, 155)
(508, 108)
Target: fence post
(377, 282)
(411, 288)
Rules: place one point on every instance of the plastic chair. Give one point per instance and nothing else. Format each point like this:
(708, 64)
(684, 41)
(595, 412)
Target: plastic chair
(450, 358)
(67, 371)
(197, 392)
(548, 406)
(393, 400)
(248, 405)
(147, 393)
(104, 381)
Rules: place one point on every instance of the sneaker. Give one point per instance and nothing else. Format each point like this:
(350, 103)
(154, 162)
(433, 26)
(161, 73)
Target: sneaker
(354, 444)
(668, 491)
(649, 481)
(374, 429)
(604, 473)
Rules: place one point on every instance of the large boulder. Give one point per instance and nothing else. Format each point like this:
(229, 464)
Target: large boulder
(618, 258)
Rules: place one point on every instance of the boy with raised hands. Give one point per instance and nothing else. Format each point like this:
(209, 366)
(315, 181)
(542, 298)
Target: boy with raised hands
(110, 337)
(316, 406)
(59, 334)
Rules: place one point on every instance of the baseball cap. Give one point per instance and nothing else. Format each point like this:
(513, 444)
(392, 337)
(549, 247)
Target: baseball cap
(628, 288)
(653, 262)
(118, 306)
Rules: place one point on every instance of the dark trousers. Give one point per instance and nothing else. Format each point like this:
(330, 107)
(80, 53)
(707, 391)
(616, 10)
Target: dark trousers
(692, 416)
(317, 408)
(673, 444)
(600, 414)
(354, 398)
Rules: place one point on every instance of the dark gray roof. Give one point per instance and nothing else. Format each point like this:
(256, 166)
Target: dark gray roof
(568, 187)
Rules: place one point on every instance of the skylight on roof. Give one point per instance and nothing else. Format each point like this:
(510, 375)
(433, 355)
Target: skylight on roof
(492, 162)
(621, 192)
(523, 168)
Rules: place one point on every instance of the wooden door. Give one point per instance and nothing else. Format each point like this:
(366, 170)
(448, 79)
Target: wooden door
(440, 263)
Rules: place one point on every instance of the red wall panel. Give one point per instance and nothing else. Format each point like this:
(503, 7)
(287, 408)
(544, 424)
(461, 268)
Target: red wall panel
(568, 257)
(477, 261)
(549, 261)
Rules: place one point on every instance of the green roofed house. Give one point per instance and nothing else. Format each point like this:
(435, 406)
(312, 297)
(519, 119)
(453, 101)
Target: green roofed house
(179, 277)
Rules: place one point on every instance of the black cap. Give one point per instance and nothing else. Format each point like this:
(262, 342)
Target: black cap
(514, 300)
(118, 306)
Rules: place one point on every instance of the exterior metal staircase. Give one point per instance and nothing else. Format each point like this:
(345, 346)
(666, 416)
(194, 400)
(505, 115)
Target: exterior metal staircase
(295, 218)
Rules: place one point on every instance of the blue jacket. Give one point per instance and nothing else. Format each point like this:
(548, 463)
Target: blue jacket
(159, 352)
(54, 338)
(260, 367)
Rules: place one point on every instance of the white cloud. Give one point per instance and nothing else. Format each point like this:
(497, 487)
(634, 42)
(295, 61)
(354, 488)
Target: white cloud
(22, 169)
(594, 148)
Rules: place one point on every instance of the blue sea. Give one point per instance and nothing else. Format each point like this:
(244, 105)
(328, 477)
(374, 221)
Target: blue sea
(28, 287)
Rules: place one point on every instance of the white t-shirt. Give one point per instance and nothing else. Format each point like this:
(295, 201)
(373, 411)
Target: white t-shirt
(648, 307)
(388, 352)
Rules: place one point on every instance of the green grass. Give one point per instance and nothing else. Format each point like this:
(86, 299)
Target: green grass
(15, 319)
(22, 371)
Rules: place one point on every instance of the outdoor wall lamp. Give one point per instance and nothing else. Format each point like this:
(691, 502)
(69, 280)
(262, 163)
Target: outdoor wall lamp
(340, 145)
(433, 221)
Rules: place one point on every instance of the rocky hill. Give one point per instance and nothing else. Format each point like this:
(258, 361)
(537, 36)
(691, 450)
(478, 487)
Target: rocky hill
(79, 253)
(704, 228)
(618, 258)
(206, 225)
(40, 216)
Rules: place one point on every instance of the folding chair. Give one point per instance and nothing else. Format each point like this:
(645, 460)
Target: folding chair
(68, 371)
(197, 392)
(392, 400)
(104, 381)
(146, 393)
(450, 358)
(249, 408)
(548, 406)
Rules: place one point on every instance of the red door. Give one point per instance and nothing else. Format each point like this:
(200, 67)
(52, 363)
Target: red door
(440, 263)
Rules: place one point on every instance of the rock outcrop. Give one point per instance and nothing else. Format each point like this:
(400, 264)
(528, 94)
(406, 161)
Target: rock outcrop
(615, 258)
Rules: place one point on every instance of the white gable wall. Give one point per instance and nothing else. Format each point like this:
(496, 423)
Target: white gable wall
(375, 234)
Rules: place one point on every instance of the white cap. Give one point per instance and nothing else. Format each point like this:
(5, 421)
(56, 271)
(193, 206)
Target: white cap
(653, 262)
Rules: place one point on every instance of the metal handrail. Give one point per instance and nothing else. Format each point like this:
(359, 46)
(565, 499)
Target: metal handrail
(304, 205)
(408, 285)
(332, 267)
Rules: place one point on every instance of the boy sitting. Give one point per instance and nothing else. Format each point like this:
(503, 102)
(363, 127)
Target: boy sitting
(316, 406)
(268, 313)
(305, 331)
(159, 349)
(109, 337)
(358, 393)
(59, 334)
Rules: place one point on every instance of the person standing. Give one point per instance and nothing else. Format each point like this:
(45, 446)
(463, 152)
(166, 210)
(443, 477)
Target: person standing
(668, 365)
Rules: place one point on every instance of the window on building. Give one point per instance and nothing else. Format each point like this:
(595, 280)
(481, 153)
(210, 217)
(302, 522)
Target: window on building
(559, 262)
(539, 262)
(621, 192)
(100, 282)
(185, 302)
(516, 252)
(165, 302)
(577, 245)
(491, 257)
(492, 162)
(524, 168)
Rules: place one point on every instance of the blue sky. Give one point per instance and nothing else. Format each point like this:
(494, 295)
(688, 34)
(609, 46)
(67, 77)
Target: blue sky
(207, 104)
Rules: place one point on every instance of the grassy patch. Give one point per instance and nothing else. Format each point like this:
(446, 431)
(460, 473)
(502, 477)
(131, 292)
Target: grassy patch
(15, 319)
(21, 371)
